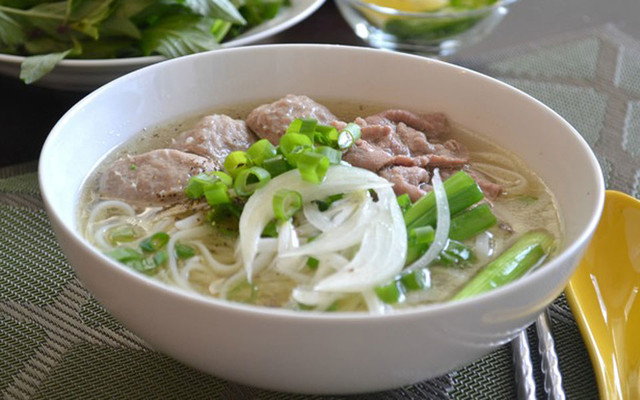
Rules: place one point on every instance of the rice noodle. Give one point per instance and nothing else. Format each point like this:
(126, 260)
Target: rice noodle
(100, 234)
(173, 262)
(512, 182)
(103, 206)
(442, 225)
(493, 158)
(190, 222)
(215, 265)
(231, 282)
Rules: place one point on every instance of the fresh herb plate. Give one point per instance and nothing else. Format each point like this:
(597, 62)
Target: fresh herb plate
(86, 75)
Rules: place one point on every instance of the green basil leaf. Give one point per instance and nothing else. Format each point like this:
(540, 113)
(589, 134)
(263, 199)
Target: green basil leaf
(223, 9)
(11, 33)
(179, 35)
(35, 67)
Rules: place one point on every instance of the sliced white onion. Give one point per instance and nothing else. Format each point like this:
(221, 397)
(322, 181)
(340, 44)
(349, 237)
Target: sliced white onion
(309, 297)
(340, 237)
(442, 225)
(288, 240)
(381, 254)
(259, 211)
(334, 216)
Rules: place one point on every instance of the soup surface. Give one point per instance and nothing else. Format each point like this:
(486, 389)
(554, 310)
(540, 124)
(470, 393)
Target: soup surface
(352, 247)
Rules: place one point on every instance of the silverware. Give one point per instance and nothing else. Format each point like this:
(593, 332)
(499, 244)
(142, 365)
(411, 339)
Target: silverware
(524, 370)
(549, 358)
(549, 362)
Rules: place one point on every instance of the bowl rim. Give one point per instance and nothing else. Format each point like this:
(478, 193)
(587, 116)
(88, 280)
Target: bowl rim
(392, 12)
(429, 310)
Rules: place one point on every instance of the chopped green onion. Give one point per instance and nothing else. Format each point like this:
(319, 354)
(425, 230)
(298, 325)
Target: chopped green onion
(236, 162)
(454, 253)
(313, 263)
(323, 205)
(123, 234)
(326, 135)
(529, 250)
(404, 201)
(244, 292)
(303, 126)
(462, 192)
(276, 165)
(160, 257)
(417, 279)
(184, 251)
(286, 203)
(146, 265)
(334, 156)
(217, 194)
(471, 222)
(125, 255)
(260, 151)
(224, 178)
(294, 144)
(348, 135)
(422, 234)
(414, 251)
(249, 180)
(390, 293)
(154, 242)
(270, 230)
(313, 167)
(199, 183)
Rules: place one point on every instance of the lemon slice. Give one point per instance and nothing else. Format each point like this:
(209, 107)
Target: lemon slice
(411, 5)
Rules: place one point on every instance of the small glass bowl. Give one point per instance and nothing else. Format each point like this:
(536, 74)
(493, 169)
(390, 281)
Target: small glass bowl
(438, 33)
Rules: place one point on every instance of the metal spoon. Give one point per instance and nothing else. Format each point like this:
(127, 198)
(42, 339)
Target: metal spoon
(603, 295)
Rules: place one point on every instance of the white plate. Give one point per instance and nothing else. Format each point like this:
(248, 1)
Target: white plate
(85, 75)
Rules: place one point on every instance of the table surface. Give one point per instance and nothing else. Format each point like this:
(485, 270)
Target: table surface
(27, 113)
(581, 57)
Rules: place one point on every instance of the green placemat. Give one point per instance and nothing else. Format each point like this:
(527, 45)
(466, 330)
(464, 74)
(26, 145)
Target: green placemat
(57, 342)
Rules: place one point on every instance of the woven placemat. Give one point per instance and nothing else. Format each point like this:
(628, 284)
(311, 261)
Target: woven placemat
(57, 342)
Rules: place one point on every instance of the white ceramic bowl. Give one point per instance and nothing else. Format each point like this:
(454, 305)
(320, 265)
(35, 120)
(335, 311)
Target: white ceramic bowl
(86, 75)
(309, 352)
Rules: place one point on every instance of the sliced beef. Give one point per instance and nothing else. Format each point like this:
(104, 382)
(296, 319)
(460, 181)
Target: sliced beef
(410, 180)
(405, 144)
(450, 154)
(490, 189)
(433, 124)
(270, 121)
(405, 147)
(383, 136)
(365, 155)
(156, 177)
(415, 140)
(214, 137)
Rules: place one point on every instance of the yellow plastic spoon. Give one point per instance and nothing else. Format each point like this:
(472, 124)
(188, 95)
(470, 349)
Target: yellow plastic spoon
(604, 296)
